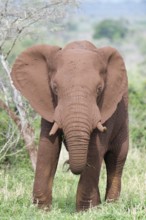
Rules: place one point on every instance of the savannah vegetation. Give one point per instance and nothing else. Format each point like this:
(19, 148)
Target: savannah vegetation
(16, 165)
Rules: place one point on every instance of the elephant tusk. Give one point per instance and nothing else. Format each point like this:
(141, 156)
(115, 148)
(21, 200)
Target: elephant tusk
(101, 127)
(54, 129)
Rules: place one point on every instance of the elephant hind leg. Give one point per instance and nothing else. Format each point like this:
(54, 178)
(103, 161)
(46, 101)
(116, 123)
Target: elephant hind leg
(115, 160)
(114, 172)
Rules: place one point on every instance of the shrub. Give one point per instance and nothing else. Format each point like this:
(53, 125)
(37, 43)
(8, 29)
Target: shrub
(112, 29)
(137, 115)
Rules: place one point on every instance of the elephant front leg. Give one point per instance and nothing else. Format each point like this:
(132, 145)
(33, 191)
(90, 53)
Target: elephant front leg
(47, 160)
(88, 194)
(115, 160)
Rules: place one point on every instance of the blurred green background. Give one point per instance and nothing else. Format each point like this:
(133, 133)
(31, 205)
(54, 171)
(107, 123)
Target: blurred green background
(118, 23)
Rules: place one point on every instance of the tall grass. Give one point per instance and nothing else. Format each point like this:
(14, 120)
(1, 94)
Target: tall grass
(16, 190)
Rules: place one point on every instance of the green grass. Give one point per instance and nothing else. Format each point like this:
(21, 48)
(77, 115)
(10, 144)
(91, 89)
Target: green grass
(16, 189)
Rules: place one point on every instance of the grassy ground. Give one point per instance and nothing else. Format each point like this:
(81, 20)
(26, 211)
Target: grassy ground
(16, 188)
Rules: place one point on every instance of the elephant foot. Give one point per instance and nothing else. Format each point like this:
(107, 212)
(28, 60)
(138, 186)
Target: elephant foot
(113, 192)
(46, 206)
(88, 204)
(113, 198)
(43, 202)
(83, 208)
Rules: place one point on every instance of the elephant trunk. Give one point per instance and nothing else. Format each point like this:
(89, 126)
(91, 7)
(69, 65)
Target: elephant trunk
(77, 127)
(78, 149)
(77, 119)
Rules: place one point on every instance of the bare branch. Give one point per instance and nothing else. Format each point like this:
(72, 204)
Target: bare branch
(3, 88)
(11, 141)
(13, 43)
(6, 6)
(13, 116)
(7, 33)
(16, 96)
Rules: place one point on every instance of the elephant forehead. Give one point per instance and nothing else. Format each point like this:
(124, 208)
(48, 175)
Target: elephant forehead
(78, 68)
(78, 60)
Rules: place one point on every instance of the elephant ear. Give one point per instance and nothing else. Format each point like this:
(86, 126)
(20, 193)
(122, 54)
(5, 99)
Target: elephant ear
(31, 76)
(115, 81)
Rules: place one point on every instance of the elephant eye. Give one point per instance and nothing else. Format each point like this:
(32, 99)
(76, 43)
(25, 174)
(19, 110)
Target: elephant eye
(103, 71)
(54, 88)
(99, 90)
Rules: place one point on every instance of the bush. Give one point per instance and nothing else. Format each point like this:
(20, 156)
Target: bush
(10, 142)
(112, 29)
(137, 115)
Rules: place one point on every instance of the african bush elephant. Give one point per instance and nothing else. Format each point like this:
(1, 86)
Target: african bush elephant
(81, 93)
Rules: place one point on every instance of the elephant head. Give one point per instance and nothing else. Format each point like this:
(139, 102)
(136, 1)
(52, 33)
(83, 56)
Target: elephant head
(77, 88)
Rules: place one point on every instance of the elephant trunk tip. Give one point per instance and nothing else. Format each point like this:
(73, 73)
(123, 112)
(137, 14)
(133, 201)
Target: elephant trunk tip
(75, 170)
